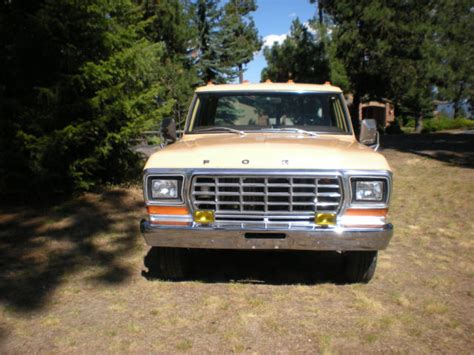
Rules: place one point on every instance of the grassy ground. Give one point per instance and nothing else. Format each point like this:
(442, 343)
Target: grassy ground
(72, 277)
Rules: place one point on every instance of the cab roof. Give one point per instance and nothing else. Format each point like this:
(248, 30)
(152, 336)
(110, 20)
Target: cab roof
(269, 87)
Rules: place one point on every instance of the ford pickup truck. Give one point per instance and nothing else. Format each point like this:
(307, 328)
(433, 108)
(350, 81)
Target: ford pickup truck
(268, 166)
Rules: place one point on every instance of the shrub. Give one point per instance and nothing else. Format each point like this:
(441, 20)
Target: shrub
(394, 127)
(444, 123)
(409, 122)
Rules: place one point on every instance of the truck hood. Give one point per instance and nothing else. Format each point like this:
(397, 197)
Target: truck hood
(267, 151)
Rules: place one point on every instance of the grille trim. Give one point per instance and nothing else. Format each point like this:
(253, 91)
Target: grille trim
(264, 197)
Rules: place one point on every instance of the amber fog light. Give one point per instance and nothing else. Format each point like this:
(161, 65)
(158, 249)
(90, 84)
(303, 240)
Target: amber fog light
(203, 216)
(325, 219)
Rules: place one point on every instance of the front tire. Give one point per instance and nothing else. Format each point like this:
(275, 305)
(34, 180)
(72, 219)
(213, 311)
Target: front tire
(172, 263)
(359, 266)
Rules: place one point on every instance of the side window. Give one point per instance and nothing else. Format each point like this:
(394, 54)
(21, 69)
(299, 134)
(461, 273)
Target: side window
(337, 113)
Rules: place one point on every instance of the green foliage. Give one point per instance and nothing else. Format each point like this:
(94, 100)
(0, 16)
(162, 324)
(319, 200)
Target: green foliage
(301, 57)
(239, 36)
(79, 83)
(406, 51)
(338, 73)
(207, 54)
(453, 50)
(443, 123)
(384, 49)
(227, 38)
(153, 140)
(169, 22)
(409, 122)
(394, 127)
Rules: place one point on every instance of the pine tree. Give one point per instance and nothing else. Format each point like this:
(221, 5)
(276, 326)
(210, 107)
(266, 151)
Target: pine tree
(239, 36)
(226, 38)
(454, 51)
(384, 49)
(79, 82)
(207, 54)
(301, 57)
(169, 22)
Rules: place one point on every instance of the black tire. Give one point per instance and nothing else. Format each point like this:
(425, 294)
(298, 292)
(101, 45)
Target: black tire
(172, 263)
(359, 266)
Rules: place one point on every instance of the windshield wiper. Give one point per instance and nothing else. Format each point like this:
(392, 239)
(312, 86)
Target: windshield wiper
(288, 129)
(227, 129)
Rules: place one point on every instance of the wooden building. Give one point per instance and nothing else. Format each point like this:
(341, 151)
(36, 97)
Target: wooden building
(382, 111)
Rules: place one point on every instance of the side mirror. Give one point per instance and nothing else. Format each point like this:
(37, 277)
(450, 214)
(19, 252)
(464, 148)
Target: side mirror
(369, 134)
(168, 129)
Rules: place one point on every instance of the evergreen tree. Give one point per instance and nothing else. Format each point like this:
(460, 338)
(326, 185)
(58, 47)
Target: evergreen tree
(226, 38)
(239, 36)
(337, 73)
(384, 49)
(454, 51)
(79, 82)
(207, 54)
(301, 57)
(169, 22)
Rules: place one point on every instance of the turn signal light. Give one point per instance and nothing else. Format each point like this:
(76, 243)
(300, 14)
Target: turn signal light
(380, 212)
(325, 219)
(168, 210)
(204, 216)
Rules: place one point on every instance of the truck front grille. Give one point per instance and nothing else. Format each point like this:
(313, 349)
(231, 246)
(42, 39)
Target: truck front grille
(269, 198)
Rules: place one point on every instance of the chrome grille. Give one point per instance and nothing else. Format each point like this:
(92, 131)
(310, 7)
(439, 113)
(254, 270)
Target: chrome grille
(250, 198)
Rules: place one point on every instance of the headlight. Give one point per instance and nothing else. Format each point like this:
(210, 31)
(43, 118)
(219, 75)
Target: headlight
(164, 188)
(369, 190)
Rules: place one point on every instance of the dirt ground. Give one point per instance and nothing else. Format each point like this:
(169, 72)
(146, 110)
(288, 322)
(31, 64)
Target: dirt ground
(73, 280)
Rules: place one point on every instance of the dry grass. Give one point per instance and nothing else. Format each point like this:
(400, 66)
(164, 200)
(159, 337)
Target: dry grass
(71, 280)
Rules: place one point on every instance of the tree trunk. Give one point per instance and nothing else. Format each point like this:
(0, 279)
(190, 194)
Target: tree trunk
(419, 122)
(458, 100)
(457, 108)
(241, 73)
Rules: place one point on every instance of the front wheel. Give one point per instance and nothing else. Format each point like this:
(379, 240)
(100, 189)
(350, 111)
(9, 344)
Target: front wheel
(172, 263)
(359, 266)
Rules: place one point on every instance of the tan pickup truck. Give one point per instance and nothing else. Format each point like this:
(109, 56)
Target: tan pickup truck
(268, 166)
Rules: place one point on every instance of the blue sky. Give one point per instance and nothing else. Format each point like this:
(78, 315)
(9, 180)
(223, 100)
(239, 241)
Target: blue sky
(273, 19)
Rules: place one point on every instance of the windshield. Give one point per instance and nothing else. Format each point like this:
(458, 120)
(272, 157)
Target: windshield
(315, 112)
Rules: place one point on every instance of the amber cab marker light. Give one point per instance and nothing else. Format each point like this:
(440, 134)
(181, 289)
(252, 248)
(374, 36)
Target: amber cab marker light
(325, 219)
(203, 216)
(167, 210)
(379, 212)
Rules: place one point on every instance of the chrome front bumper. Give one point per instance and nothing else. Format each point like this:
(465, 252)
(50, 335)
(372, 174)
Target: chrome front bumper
(339, 239)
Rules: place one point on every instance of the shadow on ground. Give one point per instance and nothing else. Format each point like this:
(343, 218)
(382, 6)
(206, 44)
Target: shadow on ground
(42, 245)
(452, 148)
(266, 267)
